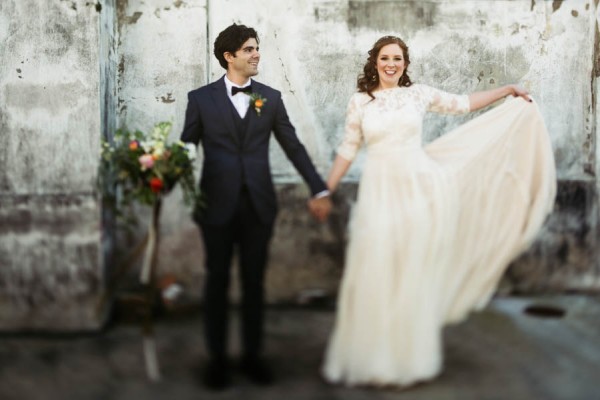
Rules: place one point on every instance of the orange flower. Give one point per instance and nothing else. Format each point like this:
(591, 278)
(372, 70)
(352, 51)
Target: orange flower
(133, 145)
(156, 185)
(257, 102)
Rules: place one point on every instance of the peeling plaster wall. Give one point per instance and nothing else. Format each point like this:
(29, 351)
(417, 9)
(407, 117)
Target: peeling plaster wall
(313, 50)
(108, 114)
(310, 57)
(162, 53)
(140, 58)
(49, 97)
(50, 274)
(108, 68)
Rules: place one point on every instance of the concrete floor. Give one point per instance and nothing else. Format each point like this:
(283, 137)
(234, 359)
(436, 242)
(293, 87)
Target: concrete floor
(502, 353)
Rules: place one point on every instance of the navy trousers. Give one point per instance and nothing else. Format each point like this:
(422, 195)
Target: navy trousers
(251, 237)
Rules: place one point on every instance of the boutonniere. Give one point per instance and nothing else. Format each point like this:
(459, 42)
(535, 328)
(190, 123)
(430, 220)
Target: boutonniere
(257, 101)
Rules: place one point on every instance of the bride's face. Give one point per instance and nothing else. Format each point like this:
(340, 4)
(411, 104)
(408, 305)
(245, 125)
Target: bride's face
(390, 65)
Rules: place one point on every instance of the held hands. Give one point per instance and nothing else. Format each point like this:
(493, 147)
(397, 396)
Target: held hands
(320, 207)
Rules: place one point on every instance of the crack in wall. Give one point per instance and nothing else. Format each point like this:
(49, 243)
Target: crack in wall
(285, 76)
(589, 166)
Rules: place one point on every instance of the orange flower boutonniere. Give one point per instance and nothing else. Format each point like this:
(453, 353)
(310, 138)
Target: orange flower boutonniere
(258, 102)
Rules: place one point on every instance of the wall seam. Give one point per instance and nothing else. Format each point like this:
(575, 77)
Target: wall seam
(208, 65)
(591, 166)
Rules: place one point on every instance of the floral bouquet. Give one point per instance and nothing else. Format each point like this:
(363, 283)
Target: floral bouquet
(138, 167)
(143, 167)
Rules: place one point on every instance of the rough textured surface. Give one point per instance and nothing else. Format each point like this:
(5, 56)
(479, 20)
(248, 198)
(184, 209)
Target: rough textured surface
(108, 68)
(564, 256)
(305, 256)
(50, 262)
(50, 255)
(79, 69)
(49, 105)
(313, 50)
(498, 354)
(162, 51)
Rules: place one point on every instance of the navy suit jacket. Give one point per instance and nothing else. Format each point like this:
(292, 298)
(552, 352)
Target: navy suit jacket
(229, 163)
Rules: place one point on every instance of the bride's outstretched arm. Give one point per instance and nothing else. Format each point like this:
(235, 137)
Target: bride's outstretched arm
(338, 170)
(485, 98)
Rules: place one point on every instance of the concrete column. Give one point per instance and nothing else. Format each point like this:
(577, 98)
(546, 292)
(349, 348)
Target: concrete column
(162, 55)
(50, 255)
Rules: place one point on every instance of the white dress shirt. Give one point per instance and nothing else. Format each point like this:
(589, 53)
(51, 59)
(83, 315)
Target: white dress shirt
(241, 100)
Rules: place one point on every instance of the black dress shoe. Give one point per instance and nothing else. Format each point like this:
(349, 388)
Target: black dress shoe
(257, 371)
(217, 375)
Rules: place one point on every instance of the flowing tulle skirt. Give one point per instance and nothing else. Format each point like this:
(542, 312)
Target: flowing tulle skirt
(431, 234)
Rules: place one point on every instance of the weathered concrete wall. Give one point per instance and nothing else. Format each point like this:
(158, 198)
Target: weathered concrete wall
(143, 58)
(107, 51)
(108, 61)
(313, 50)
(50, 274)
(162, 52)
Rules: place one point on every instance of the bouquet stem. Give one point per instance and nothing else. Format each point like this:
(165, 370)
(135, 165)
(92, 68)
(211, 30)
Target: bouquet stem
(148, 278)
(151, 359)
(148, 266)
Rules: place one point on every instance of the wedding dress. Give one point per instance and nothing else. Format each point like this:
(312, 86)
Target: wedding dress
(434, 227)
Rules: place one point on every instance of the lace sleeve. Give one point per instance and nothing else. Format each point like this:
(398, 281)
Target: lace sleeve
(442, 102)
(353, 136)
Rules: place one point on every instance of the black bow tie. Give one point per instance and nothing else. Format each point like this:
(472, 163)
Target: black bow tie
(247, 89)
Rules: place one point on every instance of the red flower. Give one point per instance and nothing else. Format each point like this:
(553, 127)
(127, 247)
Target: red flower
(156, 184)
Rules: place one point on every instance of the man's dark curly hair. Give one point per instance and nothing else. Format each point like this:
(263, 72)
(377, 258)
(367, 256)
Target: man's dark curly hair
(231, 40)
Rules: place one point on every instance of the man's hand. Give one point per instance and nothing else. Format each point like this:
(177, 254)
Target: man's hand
(320, 207)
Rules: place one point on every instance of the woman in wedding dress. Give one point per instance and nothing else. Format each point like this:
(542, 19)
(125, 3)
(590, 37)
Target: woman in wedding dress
(434, 227)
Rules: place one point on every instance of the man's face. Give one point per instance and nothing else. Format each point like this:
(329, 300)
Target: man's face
(245, 60)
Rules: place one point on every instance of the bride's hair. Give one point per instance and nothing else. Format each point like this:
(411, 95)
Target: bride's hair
(369, 79)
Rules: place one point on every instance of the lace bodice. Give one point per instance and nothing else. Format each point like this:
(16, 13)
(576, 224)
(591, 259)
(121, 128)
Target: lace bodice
(394, 118)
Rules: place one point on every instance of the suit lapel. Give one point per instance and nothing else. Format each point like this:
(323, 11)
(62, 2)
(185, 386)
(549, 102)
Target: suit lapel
(251, 113)
(219, 93)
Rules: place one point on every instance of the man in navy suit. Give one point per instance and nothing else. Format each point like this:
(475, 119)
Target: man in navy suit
(240, 197)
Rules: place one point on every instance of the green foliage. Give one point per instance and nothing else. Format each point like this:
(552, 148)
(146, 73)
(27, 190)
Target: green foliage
(141, 168)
